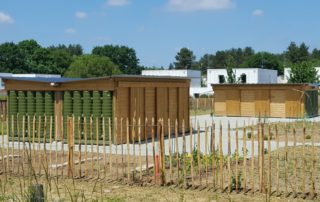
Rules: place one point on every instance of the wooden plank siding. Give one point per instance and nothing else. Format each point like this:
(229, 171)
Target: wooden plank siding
(260, 100)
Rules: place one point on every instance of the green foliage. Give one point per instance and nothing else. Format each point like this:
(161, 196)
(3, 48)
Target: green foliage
(124, 57)
(308, 137)
(231, 76)
(297, 54)
(92, 66)
(303, 73)
(249, 135)
(264, 60)
(185, 59)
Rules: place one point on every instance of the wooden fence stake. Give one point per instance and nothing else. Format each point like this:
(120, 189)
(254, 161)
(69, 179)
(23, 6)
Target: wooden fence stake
(262, 184)
(97, 146)
(70, 147)
(139, 139)
(153, 150)
(170, 150)
(177, 150)
(213, 150)
(221, 159)
(146, 143)
(133, 139)
(91, 138)
(206, 151)
(122, 143)
(313, 172)
(184, 155)
(244, 159)
(229, 161)
(198, 154)
(278, 159)
(85, 131)
(116, 145)
(104, 147)
(79, 146)
(50, 140)
(269, 161)
(252, 159)
(304, 162)
(237, 156)
(128, 150)
(295, 162)
(62, 145)
(286, 161)
(191, 155)
(110, 146)
(163, 164)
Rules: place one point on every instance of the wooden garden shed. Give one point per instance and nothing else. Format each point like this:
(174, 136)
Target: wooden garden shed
(121, 96)
(266, 100)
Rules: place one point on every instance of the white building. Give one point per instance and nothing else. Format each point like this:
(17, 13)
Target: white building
(243, 75)
(193, 75)
(287, 71)
(26, 75)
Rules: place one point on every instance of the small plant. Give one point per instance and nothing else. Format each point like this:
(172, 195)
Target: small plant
(265, 151)
(308, 137)
(234, 182)
(249, 135)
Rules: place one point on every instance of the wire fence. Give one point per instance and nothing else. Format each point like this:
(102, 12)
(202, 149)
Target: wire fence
(275, 159)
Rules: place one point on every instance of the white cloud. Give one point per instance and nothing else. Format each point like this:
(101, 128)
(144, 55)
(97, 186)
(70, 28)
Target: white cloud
(118, 2)
(70, 31)
(199, 5)
(80, 14)
(258, 12)
(5, 18)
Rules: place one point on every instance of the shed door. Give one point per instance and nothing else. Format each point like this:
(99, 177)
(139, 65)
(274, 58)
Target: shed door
(220, 103)
(293, 103)
(233, 103)
(247, 105)
(277, 105)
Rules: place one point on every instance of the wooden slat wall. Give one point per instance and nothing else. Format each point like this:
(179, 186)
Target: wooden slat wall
(277, 103)
(162, 105)
(233, 102)
(150, 107)
(137, 107)
(220, 103)
(247, 105)
(293, 103)
(58, 113)
(173, 106)
(183, 109)
(262, 103)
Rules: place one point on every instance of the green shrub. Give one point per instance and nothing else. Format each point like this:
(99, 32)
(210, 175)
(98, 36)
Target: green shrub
(249, 135)
(308, 137)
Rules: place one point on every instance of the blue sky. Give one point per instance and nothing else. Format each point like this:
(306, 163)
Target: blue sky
(158, 29)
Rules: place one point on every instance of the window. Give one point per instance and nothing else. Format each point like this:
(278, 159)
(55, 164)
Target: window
(243, 78)
(222, 79)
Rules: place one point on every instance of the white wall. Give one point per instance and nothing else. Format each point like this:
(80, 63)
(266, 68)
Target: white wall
(194, 75)
(254, 75)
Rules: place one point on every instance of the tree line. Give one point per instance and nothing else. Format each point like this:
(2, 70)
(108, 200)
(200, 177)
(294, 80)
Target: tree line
(28, 56)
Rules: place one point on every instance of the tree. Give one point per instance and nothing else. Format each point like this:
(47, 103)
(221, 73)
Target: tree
(72, 49)
(12, 58)
(316, 54)
(231, 76)
(122, 56)
(185, 59)
(86, 66)
(297, 54)
(264, 60)
(303, 73)
(206, 62)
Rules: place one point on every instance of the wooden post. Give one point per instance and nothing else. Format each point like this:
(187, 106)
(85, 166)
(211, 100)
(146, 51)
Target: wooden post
(262, 187)
(237, 156)
(191, 155)
(97, 146)
(269, 161)
(128, 150)
(146, 143)
(62, 144)
(50, 140)
(252, 160)
(121, 140)
(91, 137)
(229, 161)
(110, 146)
(213, 150)
(286, 161)
(184, 155)
(116, 143)
(313, 172)
(79, 146)
(85, 131)
(295, 186)
(170, 150)
(199, 155)
(244, 159)
(177, 150)
(12, 143)
(163, 165)
(206, 151)
(139, 139)
(133, 138)
(2, 143)
(304, 162)
(70, 147)
(221, 159)
(278, 158)
(33, 139)
(104, 147)
(153, 150)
